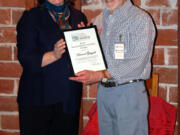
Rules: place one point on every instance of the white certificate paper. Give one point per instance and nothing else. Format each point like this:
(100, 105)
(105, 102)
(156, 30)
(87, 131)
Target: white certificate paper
(84, 49)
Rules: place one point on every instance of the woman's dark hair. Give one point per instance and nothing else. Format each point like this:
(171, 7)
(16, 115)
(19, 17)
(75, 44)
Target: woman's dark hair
(69, 2)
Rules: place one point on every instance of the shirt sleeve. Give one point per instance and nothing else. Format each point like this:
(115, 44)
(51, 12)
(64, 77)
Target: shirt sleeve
(29, 53)
(138, 58)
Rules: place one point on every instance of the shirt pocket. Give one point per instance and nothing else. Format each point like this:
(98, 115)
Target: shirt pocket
(124, 38)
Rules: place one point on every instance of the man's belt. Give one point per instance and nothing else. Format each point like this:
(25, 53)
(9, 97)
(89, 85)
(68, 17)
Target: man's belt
(115, 84)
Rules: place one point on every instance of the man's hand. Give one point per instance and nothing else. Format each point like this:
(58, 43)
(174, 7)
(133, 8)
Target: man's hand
(99, 31)
(88, 77)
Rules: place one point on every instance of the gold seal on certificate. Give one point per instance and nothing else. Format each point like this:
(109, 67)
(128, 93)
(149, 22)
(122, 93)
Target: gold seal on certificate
(84, 49)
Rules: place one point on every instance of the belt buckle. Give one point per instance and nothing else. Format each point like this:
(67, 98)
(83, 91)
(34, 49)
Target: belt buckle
(112, 84)
(108, 84)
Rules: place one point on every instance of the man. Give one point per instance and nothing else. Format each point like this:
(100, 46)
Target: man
(127, 38)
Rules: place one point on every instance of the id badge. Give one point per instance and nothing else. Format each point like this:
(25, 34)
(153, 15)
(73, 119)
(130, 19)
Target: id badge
(119, 51)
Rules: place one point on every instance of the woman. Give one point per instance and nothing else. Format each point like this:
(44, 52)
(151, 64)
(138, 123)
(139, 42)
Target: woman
(48, 101)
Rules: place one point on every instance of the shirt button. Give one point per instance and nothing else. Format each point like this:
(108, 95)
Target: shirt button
(107, 33)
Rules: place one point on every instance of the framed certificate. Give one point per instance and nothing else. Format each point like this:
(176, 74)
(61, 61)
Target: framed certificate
(85, 49)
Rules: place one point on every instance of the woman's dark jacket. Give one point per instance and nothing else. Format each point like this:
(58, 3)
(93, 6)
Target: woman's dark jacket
(36, 34)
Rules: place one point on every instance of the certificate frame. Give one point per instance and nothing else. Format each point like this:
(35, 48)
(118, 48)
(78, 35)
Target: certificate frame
(85, 49)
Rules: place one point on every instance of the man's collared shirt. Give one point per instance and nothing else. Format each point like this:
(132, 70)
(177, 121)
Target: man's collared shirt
(134, 28)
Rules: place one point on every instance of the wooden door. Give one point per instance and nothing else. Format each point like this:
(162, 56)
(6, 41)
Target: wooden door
(32, 3)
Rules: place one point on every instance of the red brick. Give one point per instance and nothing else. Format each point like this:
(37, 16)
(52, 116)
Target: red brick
(167, 75)
(16, 14)
(17, 84)
(5, 16)
(176, 130)
(86, 106)
(7, 35)
(6, 86)
(91, 14)
(155, 13)
(10, 121)
(166, 37)
(84, 91)
(15, 53)
(12, 3)
(152, 3)
(173, 94)
(158, 57)
(10, 69)
(85, 123)
(5, 53)
(162, 92)
(178, 115)
(172, 56)
(169, 17)
(8, 104)
(9, 133)
(93, 91)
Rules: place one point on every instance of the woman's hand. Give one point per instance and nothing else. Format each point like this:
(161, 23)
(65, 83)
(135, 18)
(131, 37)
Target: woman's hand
(81, 25)
(52, 56)
(59, 48)
(88, 77)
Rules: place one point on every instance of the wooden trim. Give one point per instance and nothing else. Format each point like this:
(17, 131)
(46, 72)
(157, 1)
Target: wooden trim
(154, 91)
(152, 85)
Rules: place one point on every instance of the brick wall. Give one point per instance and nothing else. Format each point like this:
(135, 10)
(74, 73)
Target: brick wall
(165, 15)
(10, 70)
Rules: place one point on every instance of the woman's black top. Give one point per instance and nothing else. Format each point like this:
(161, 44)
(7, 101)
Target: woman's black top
(36, 34)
